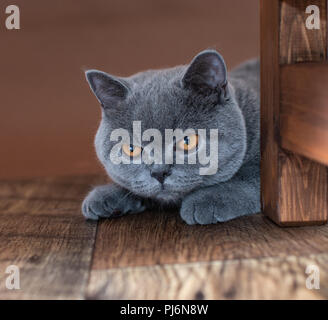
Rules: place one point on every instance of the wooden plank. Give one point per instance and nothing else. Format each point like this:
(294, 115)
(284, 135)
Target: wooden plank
(270, 13)
(269, 278)
(43, 232)
(289, 182)
(150, 255)
(303, 183)
(46, 196)
(304, 110)
(50, 188)
(53, 254)
(304, 193)
(297, 43)
(163, 238)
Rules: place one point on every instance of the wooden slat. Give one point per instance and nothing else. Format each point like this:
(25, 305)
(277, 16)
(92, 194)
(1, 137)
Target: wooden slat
(163, 238)
(289, 182)
(43, 232)
(50, 188)
(304, 110)
(297, 43)
(155, 255)
(46, 196)
(269, 278)
(270, 13)
(303, 189)
(53, 254)
(149, 255)
(303, 183)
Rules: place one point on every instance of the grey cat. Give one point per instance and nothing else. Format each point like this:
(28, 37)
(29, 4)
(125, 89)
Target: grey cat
(200, 95)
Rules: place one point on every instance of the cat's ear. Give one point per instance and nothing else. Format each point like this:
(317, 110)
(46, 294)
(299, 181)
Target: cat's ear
(207, 71)
(106, 88)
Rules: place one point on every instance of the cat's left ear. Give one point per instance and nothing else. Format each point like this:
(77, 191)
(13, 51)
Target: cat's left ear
(207, 71)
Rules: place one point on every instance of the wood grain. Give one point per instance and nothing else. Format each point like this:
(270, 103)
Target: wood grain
(279, 278)
(151, 255)
(293, 188)
(304, 110)
(43, 232)
(126, 242)
(297, 43)
(53, 254)
(270, 92)
(46, 196)
(303, 185)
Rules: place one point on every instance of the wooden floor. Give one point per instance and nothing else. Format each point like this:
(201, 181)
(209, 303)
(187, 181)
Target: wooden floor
(147, 256)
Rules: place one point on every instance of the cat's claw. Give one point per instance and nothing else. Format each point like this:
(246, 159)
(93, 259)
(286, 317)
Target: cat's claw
(110, 202)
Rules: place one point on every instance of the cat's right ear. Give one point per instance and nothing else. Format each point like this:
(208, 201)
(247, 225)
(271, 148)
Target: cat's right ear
(106, 88)
(207, 71)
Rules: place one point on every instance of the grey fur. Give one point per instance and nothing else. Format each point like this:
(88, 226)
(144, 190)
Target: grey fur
(198, 96)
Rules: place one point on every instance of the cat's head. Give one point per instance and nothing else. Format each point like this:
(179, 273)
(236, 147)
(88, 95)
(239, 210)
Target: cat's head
(197, 96)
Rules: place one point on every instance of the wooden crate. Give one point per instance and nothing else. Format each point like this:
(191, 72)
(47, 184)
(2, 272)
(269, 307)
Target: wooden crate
(294, 112)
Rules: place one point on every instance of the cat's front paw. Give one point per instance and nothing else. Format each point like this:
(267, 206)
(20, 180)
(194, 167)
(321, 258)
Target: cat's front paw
(194, 211)
(216, 204)
(110, 201)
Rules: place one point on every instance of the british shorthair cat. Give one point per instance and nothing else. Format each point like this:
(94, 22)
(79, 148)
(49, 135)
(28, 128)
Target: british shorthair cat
(200, 96)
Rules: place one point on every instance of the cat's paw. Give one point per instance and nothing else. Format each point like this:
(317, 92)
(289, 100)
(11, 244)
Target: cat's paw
(110, 201)
(211, 205)
(193, 211)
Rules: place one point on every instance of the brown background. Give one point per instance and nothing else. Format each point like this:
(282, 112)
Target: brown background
(48, 116)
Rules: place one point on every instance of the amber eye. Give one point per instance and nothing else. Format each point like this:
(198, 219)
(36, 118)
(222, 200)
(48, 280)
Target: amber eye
(188, 143)
(131, 151)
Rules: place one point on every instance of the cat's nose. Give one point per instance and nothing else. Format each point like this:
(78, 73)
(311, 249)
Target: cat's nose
(160, 175)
